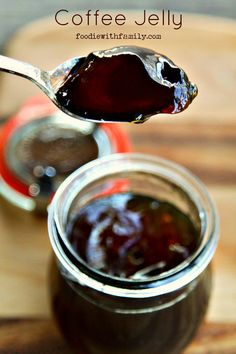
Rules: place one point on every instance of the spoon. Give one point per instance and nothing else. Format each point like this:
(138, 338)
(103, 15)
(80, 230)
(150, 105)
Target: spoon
(47, 81)
(127, 84)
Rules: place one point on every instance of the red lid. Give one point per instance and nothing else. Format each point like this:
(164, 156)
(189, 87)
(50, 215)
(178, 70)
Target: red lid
(36, 108)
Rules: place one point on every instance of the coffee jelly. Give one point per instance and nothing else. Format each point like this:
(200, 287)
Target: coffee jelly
(126, 234)
(127, 84)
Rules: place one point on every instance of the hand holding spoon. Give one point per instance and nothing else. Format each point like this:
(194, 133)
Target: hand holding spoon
(126, 84)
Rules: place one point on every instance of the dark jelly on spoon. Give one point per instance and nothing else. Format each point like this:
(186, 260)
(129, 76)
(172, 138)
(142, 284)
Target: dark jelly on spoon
(125, 84)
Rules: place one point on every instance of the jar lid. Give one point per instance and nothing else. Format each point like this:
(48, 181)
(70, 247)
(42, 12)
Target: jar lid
(41, 146)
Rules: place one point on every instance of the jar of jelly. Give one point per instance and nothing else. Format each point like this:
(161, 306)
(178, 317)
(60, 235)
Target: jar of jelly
(153, 310)
(40, 146)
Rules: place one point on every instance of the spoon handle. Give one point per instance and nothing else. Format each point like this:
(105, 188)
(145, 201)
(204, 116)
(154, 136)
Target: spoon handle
(39, 77)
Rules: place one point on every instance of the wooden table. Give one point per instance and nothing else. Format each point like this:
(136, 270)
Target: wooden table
(203, 139)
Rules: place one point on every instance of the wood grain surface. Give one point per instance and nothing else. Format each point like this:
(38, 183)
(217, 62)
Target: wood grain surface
(202, 139)
(42, 337)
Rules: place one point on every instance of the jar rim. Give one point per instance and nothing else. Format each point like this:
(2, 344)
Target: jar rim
(167, 282)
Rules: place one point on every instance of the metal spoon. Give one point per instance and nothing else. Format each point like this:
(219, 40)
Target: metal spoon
(159, 68)
(47, 81)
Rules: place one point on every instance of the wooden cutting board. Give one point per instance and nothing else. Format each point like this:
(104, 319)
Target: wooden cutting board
(203, 139)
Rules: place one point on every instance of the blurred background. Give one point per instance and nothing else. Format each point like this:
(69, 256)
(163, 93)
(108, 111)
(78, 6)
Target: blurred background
(16, 13)
(203, 138)
(29, 33)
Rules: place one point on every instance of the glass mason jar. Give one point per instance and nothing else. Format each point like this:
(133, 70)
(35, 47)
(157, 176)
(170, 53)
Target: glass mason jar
(103, 314)
(40, 146)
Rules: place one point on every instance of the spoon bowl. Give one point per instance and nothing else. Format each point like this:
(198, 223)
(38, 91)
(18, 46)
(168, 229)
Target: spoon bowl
(122, 84)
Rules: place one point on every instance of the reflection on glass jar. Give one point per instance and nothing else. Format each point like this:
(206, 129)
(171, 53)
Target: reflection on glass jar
(149, 313)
